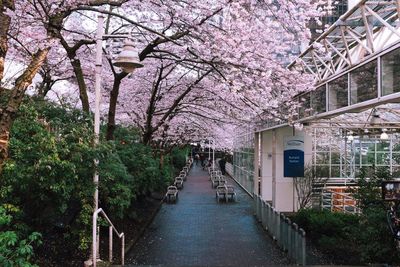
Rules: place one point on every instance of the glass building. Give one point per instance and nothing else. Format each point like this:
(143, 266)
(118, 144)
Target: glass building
(243, 158)
(339, 8)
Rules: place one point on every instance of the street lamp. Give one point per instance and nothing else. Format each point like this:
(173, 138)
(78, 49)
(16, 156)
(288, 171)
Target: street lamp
(128, 60)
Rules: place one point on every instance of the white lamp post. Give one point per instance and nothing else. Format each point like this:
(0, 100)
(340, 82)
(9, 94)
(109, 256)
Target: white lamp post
(128, 60)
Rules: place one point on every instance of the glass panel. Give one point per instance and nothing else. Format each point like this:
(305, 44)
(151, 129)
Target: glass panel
(357, 159)
(335, 171)
(322, 157)
(322, 171)
(335, 158)
(318, 100)
(383, 146)
(364, 85)
(322, 147)
(396, 147)
(391, 72)
(396, 159)
(396, 172)
(305, 101)
(368, 158)
(382, 158)
(338, 97)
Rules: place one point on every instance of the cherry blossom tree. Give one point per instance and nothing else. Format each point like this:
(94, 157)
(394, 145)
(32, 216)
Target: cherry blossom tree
(8, 112)
(207, 63)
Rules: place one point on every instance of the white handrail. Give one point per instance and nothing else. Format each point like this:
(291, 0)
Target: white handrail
(111, 229)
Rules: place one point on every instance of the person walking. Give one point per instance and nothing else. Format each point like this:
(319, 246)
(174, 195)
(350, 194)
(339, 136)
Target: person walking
(202, 158)
(222, 163)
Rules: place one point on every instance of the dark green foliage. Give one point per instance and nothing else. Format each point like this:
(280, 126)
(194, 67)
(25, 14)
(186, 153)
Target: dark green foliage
(49, 175)
(16, 245)
(376, 242)
(355, 239)
(179, 158)
(139, 161)
(332, 233)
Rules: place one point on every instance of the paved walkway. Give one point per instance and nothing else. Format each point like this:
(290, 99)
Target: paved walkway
(197, 231)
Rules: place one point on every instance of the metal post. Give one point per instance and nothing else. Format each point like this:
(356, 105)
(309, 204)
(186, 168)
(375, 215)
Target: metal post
(303, 246)
(269, 218)
(99, 52)
(295, 242)
(94, 239)
(282, 232)
(289, 236)
(277, 225)
(263, 214)
(123, 250)
(110, 244)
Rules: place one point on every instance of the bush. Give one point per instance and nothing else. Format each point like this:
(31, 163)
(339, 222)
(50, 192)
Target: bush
(16, 247)
(354, 239)
(49, 174)
(332, 233)
(376, 242)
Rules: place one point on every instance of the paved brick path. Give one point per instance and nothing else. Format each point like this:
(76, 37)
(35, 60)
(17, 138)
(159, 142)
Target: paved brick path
(197, 231)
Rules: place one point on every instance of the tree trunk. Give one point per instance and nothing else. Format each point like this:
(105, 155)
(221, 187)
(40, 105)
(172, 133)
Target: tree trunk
(7, 114)
(113, 105)
(147, 136)
(76, 64)
(5, 25)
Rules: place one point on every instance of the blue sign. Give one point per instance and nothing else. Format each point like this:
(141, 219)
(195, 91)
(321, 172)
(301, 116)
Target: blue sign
(293, 157)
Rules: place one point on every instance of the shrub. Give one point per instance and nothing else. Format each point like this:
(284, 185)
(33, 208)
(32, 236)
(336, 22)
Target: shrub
(49, 175)
(354, 239)
(16, 247)
(331, 232)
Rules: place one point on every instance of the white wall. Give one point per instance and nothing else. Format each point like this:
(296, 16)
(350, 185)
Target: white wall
(274, 187)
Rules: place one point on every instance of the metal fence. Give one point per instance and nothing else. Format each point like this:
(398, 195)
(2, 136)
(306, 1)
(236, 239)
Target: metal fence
(288, 235)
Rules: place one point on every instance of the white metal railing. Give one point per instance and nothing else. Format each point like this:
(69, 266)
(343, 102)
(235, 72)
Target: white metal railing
(335, 201)
(288, 235)
(111, 230)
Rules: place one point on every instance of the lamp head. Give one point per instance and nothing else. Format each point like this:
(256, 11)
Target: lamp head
(384, 135)
(128, 59)
(350, 137)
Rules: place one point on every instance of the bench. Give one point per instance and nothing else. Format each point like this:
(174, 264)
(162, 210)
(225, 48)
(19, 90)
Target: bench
(226, 192)
(220, 192)
(217, 181)
(178, 182)
(183, 174)
(172, 194)
(230, 193)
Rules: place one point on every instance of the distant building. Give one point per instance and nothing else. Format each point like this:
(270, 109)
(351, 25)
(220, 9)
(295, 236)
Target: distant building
(339, 8)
